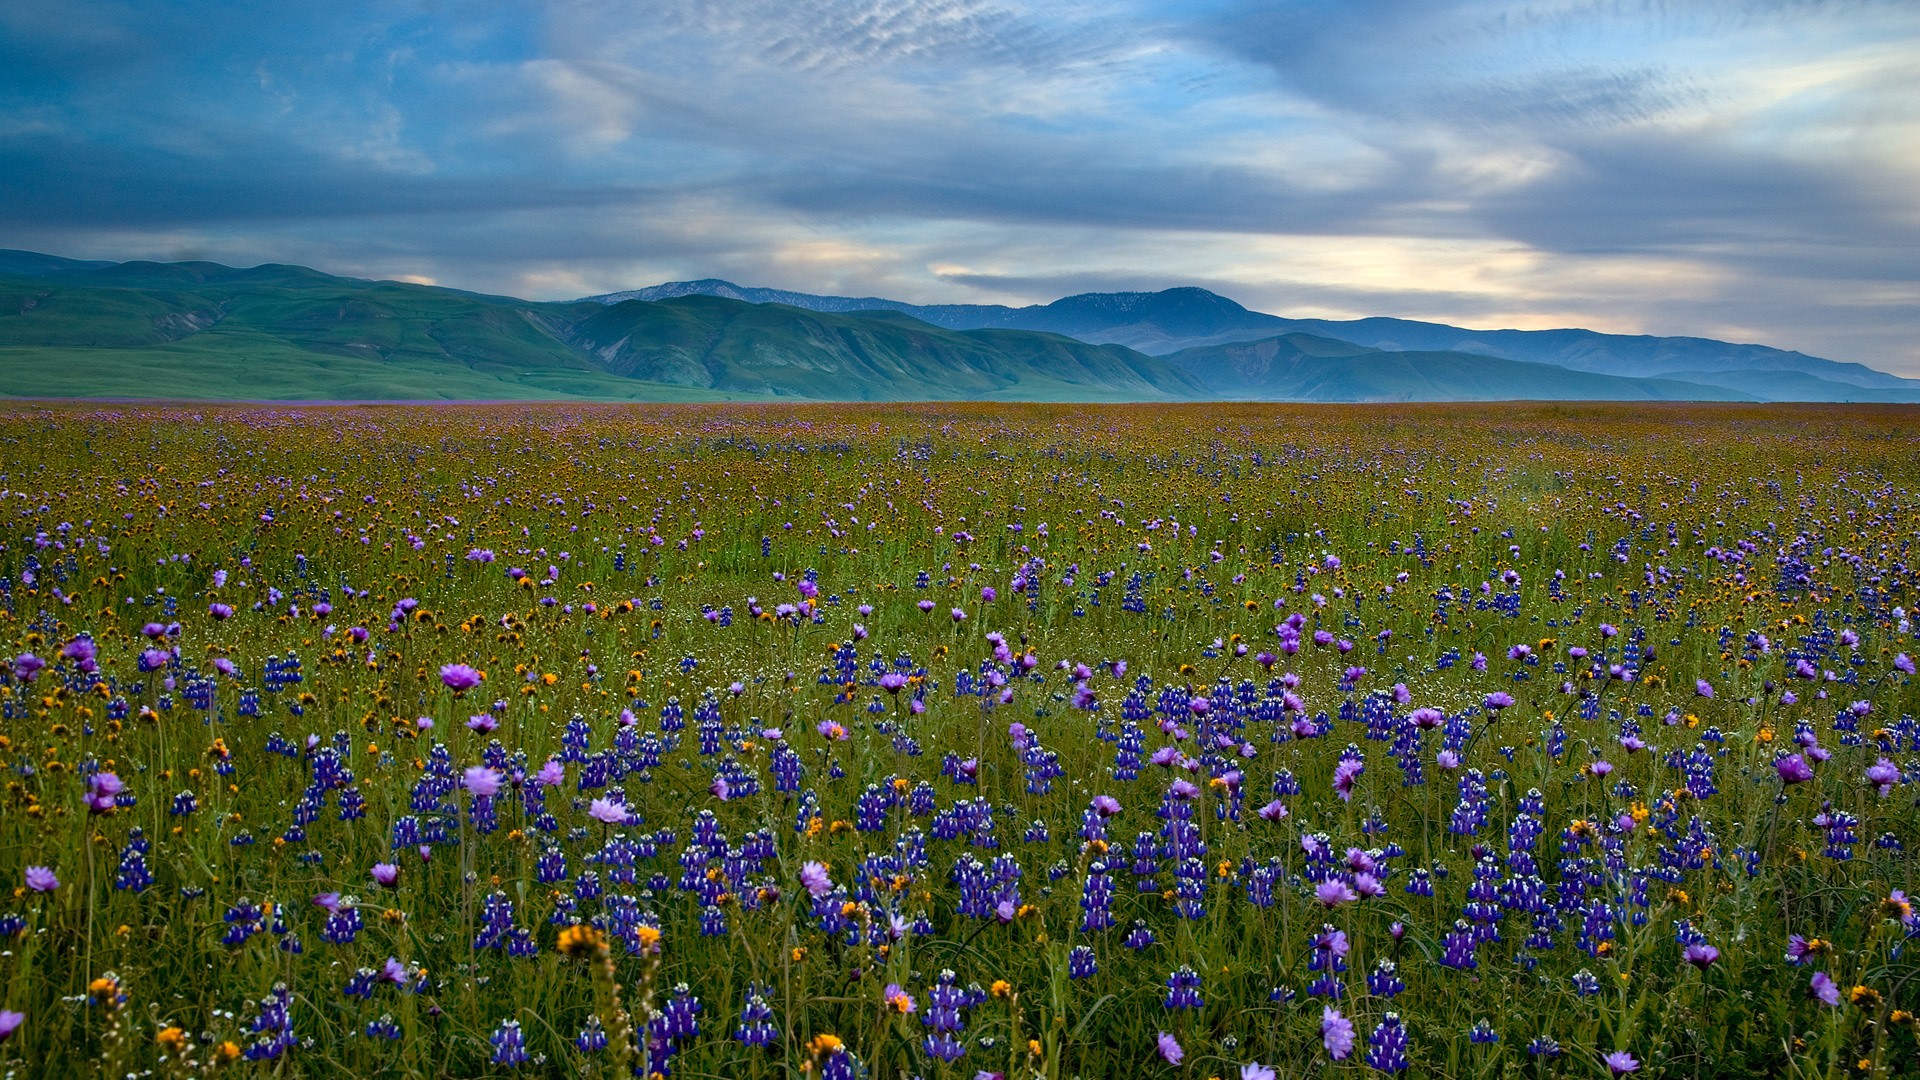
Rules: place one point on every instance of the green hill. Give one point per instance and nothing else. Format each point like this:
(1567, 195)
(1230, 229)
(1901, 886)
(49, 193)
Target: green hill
(70, 328)
(202, 330)
(1304, 367)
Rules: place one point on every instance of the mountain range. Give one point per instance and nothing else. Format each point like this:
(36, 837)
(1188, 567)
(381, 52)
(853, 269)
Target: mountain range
(1167, 322)
(75, 328)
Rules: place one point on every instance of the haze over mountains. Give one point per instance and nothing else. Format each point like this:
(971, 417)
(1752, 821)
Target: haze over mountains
(73, 328)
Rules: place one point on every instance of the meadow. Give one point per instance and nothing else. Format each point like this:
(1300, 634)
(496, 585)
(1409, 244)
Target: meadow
(947, 740)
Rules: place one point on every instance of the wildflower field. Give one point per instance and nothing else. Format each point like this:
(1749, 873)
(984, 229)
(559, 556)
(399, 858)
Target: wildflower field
(940, 741)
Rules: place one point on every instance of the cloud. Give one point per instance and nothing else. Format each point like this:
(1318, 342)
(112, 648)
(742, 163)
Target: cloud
(1710, 166)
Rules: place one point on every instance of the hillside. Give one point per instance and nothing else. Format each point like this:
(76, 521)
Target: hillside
(202, 330)
(1302, 367)
(1165, 322)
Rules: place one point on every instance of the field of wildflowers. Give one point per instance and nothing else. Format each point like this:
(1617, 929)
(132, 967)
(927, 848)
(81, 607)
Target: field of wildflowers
(948, 741)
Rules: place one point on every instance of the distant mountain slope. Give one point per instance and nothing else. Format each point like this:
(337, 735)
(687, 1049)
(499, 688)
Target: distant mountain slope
(1302, 367)
(774, 349)
(135, 329)
(1587, 350)
(1159, 323)
(74, 328)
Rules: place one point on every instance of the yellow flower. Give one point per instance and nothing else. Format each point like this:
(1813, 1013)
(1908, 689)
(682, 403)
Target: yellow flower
(1001, 989)
(171, 1039)
(648, 937)
(582, 942)
(825, 1044)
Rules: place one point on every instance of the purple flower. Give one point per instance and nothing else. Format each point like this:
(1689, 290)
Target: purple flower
(1498, 700)
(1336, 1033)
(814, 877)
(1273, 811)
(1793, 769)
(1620, 1063)
(607, 811)
(551, 774)
(385, 873)
(893, 682)
(1883, 774)
(459, 677)
(41, 879)
(1333, 892)
(1106, 805)
(1253, 1070)
(1823, 989)
(484, 723)
(1344, 775)
(1703, 688)
(1700, 956)
(1169, 1048)
(481, 780)
(1903, 662)
(101, 791)
(220, 611)
(10, 1022)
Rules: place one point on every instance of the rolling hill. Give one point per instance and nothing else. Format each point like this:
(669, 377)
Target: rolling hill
(202, 330)
(1302, 367)
(1165, 322)
(74, 328)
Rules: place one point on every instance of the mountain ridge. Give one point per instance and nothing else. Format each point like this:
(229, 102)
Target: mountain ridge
(197, 329)
(1164, 322)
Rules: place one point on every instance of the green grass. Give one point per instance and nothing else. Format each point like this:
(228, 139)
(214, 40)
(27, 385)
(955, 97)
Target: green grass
(1661, 538)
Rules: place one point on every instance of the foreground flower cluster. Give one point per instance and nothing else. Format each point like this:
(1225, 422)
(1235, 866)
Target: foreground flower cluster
(955, 741)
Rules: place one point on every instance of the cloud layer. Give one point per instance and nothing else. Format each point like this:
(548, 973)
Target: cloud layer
(1732, 169)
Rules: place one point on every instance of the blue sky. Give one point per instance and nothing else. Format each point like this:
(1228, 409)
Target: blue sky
(1744, 170)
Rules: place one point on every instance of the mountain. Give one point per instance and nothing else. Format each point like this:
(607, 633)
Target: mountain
(203, 330)
(1302, 367)
(76, 328)
(782, 351)
(1161, 323)
(1587, 350)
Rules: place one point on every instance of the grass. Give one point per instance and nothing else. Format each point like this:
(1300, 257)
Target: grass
(657, 643)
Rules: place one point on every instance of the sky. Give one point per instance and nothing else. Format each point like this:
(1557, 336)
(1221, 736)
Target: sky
(1739, 169)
